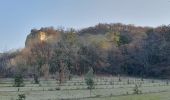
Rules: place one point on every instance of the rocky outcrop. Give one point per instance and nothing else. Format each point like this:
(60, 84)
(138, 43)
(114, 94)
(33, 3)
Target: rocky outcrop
(44, 34)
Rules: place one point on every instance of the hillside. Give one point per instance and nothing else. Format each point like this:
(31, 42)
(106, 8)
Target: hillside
(107, 48)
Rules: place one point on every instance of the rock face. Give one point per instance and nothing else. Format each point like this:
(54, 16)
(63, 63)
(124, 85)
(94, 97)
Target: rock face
(44, 34)
(33, 36)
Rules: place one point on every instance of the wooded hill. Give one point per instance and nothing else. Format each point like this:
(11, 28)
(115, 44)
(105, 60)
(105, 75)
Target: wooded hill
(107, 48)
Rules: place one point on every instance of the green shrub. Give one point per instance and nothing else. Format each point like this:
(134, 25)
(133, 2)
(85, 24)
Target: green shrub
(21, 97)
(90, 83)
(18, 81)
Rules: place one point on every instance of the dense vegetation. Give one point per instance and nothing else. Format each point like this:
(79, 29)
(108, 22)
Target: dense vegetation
(115, 49)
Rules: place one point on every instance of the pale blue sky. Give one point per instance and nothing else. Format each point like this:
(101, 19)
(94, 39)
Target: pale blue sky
(18, 17)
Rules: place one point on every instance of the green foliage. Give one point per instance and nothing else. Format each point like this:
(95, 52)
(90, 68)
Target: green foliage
(18, 81)
(118, 38)
(108, 48)
(113, 37)
(123, 39)
(21, 97)
(71, 37)
(90, 83)
(89, 80)
(90, 74)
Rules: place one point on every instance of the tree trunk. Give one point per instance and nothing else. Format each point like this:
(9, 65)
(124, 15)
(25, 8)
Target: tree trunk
(61, 73)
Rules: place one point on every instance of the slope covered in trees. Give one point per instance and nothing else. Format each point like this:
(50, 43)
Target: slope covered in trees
(107, 48)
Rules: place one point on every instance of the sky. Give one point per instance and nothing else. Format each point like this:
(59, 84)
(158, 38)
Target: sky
(18, 17)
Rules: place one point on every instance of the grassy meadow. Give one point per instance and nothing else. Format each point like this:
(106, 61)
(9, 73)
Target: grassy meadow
(106, 88)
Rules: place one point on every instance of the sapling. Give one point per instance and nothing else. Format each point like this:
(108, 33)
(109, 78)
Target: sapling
(18, 81)
(89, 80)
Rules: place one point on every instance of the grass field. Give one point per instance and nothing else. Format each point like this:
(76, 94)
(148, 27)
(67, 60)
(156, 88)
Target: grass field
(149, 96)
(106, 88)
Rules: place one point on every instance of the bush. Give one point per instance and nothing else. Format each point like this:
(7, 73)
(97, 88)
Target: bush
(21, 97)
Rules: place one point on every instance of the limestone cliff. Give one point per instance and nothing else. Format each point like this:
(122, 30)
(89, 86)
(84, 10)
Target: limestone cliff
(44, 34)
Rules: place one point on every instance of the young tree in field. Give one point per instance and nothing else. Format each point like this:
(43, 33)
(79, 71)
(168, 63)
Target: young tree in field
(19, 67)
(90, 84)
(89, 80)
(18, 80)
